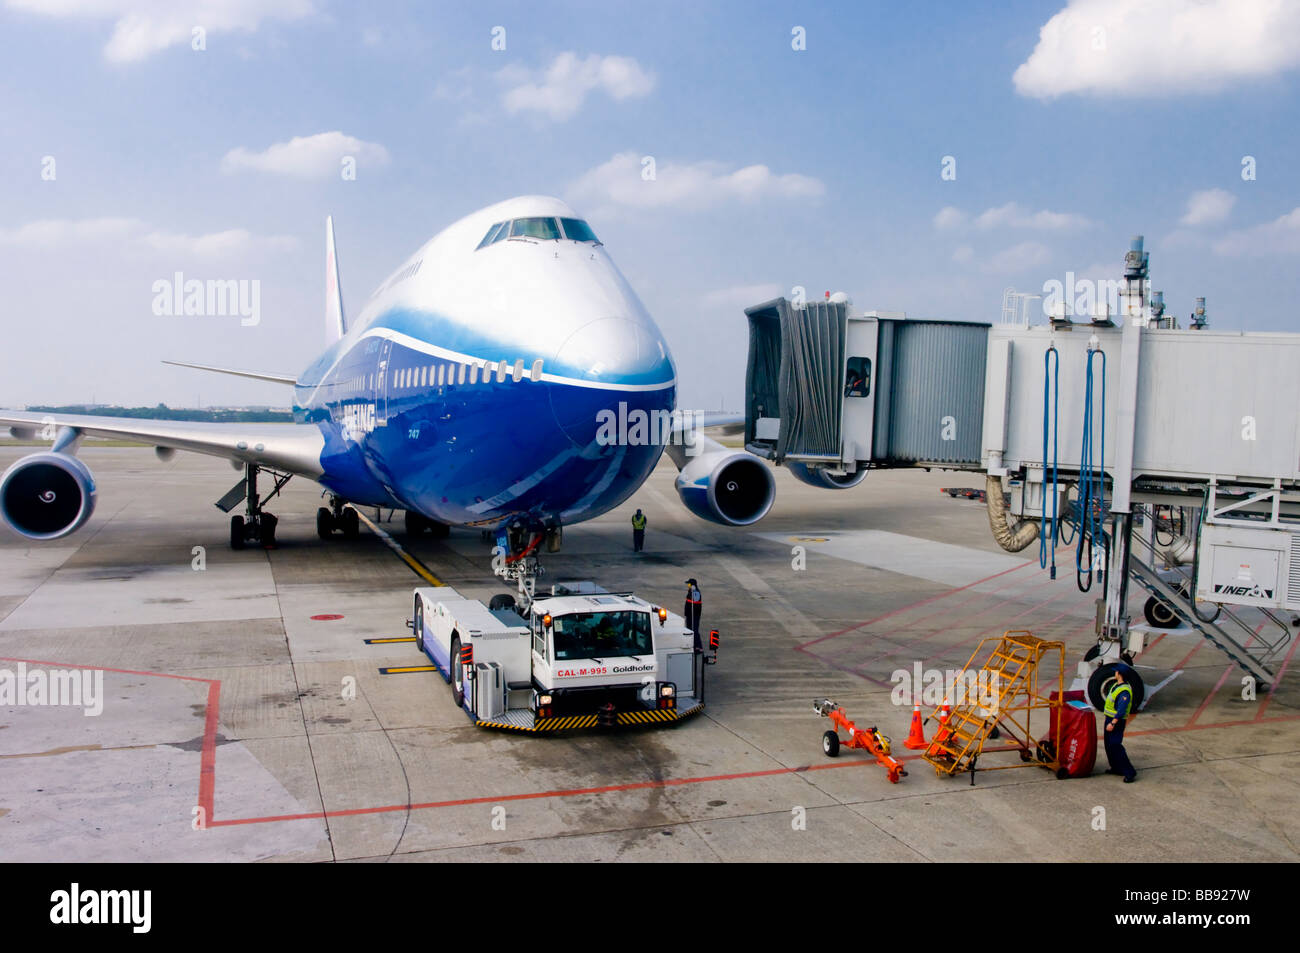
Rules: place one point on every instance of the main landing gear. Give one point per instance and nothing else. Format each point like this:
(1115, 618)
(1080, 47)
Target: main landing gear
(337, 516)
(255, 526)
(418, 524)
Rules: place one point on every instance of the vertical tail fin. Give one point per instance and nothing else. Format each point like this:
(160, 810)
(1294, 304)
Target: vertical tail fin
(335, 322)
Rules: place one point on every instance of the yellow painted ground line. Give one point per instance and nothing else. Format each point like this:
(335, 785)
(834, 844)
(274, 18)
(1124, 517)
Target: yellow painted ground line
(419, 568)
(409, 638)
(402, 670)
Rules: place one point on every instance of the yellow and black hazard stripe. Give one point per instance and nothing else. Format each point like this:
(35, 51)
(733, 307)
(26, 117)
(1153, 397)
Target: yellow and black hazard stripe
(645, 717)
(545, 724)
(566, 723)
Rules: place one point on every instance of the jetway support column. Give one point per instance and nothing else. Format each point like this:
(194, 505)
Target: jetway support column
(1132, 313)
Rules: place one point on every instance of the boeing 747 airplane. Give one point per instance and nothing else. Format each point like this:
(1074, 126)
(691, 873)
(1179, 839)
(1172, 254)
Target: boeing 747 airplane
(505, 376)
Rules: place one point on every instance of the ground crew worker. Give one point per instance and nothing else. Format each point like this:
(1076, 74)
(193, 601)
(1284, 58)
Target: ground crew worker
(692, 611)
(1119, 700)
(638, 531)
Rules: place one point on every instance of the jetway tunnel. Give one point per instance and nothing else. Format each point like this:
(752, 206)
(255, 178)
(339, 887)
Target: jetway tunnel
(829, 389)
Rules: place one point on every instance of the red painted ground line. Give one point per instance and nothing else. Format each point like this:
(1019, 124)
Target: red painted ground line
(208, 760)
(1280, 672)
(970, 599)
(102, 668)
(995, 604)
(894, 612)
(1188, 657)
(1205, 702)
(574, 792)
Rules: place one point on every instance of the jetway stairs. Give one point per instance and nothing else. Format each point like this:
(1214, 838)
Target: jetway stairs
(1174, 587)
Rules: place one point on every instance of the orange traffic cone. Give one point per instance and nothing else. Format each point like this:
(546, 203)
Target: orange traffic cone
(942, 734)
(916, 737)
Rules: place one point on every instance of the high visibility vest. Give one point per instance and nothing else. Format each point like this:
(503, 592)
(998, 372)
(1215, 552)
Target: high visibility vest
(1113, 697)
(638, 522)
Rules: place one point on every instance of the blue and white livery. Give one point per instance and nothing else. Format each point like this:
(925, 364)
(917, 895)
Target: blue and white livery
(470, 389)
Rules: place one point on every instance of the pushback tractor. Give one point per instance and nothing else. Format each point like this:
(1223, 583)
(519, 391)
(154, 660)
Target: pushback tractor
(578, 657)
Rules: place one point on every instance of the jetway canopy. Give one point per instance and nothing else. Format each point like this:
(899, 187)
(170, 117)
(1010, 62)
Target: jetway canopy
(826, 388)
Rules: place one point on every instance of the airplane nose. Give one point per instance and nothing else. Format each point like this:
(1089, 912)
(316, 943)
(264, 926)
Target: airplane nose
(621, 360)
(615, 350)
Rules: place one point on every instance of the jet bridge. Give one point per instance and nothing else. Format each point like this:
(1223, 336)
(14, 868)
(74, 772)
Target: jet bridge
(1174, 453)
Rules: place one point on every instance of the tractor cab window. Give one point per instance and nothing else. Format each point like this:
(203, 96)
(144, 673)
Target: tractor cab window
(857, 380)
(601, 635)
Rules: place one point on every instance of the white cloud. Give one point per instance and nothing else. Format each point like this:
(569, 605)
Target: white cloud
(1160, 47)
(949, 217)
(136, 236)
(1280, 236)
(560, 90)
(742, 296)
(1018, 258)
(1208, 207)
(308, 157)
(963, 254)
(1015, 216)
(619, 182)
(143, 27)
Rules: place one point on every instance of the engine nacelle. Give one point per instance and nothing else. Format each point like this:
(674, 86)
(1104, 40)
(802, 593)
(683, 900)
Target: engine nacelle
(821, 478)
(727, 487)
(47, 495)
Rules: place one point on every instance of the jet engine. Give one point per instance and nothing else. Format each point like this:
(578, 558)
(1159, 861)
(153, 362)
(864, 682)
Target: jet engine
(727, 487)
(47, 495)
(822, 478)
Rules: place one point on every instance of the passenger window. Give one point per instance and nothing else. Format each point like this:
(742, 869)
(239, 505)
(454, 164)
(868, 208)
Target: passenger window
(857, 380)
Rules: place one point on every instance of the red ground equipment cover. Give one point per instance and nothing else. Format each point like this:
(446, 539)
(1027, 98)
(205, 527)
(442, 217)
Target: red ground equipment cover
(1078, 735)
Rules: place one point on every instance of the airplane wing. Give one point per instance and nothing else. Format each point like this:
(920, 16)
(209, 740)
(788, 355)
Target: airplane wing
(704, 419)
(292, 448)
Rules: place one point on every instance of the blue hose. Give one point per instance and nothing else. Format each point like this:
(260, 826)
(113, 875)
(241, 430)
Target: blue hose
(1092, 479)
(1052, 399)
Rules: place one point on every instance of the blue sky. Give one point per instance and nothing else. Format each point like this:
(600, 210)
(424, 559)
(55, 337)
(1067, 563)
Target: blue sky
(1072, 124)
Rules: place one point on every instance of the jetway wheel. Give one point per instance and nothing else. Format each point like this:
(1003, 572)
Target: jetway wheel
(1159, 614)
(831, 744)
(1103, 680)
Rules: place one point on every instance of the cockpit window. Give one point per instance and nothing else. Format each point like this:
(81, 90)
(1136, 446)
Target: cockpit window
(578, 230)
(543, 228)
(492, 234)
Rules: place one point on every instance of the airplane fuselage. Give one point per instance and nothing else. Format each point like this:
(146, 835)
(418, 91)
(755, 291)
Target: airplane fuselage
(470, 387)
